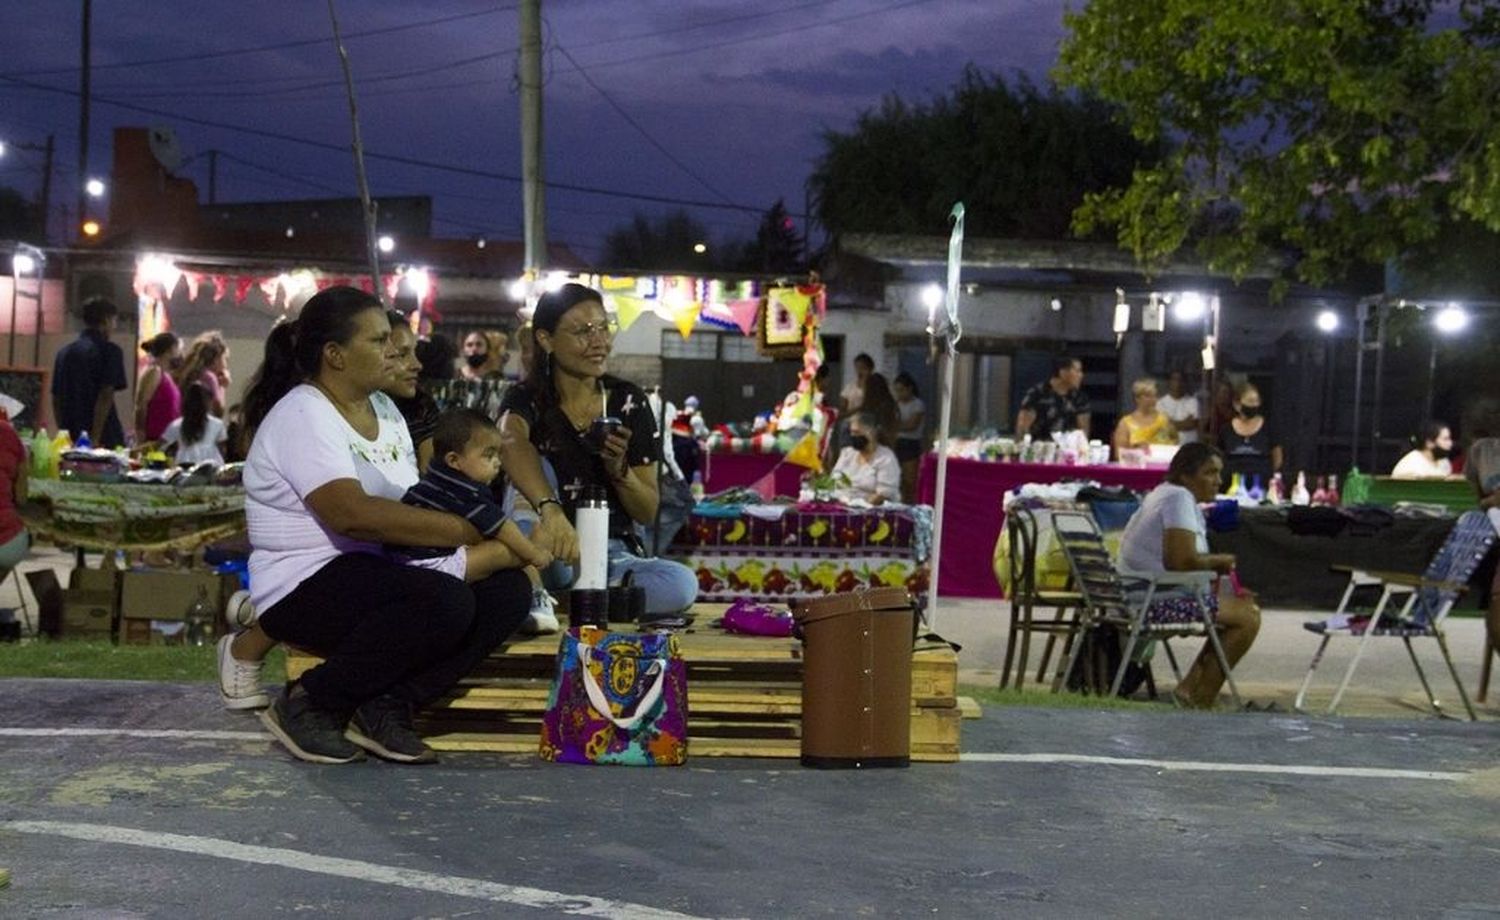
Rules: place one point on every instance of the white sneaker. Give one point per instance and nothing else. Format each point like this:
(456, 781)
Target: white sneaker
(542, 619)
(239, 681)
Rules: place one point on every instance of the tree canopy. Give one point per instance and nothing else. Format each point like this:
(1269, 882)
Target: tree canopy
(1020, 158)
(663, 243)
(1323, 133)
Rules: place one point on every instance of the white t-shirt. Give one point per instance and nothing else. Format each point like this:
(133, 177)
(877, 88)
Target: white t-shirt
(205, 448)
(1179, 408)
(1415, 465)
(909, 410)
(881, 475)
(304, 444)
(1166, 507)
(853, 394)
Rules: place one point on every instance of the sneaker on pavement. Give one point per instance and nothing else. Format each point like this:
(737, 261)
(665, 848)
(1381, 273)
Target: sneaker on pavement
(239, 681)
(383, 726)
(308, 732)
(543, 616)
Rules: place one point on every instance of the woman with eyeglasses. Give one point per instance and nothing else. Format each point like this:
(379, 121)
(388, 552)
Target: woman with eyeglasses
(549, 417)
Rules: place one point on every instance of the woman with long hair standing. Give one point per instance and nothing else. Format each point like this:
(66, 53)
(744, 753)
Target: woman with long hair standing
(207, 362)
(157, 398)
(198, 435)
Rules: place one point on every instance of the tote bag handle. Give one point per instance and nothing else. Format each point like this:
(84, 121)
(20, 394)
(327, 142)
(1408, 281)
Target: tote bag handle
(596, 695)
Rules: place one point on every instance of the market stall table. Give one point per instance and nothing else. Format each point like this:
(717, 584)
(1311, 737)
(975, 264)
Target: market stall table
(973, 518)
(1290, 569)
(132, 516)
(806, 552)
(728, 471)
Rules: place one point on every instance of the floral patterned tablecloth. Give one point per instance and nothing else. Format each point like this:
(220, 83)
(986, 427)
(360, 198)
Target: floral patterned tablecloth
(130, 516)
(806, 553)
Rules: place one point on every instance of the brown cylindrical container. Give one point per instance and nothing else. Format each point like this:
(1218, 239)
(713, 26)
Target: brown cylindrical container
(856, 679)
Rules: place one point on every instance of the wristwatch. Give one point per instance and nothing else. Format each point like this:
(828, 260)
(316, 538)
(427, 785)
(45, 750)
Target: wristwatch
(547, 501)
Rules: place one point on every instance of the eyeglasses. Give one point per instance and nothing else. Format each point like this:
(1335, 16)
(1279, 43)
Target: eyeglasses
(589, 331)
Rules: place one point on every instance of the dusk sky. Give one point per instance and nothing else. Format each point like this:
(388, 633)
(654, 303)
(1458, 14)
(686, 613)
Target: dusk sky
(738, 92)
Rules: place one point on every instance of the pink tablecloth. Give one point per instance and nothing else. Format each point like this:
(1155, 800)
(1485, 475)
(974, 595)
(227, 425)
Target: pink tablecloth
(726, 471)
(972, 519)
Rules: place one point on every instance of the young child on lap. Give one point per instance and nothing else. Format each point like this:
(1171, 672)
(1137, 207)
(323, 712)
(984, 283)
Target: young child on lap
(465, 460)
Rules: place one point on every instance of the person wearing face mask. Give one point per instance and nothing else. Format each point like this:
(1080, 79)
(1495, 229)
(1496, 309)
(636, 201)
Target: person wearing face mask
(479, 361)
(1249, 441)
(1429, 459)
(873, 471)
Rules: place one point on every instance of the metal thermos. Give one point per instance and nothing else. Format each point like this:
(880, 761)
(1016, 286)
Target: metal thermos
(589, 603)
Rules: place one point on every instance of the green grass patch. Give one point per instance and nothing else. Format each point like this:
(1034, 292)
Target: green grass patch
(103, 660)
(1044, 699)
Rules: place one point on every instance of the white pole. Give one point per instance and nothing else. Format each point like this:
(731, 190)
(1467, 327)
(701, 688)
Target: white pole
(952, 332)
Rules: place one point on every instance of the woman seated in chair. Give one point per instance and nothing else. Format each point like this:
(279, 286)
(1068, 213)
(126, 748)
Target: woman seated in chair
(1168, 534)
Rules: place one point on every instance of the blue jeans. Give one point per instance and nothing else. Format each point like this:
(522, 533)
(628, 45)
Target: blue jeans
(671, 587)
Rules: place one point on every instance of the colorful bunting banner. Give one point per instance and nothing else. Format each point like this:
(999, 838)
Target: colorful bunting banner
(805, 453)
(627, 309)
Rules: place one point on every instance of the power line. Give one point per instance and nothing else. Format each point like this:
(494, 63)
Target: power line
(620, 110)
(390, 158)
(261, 49)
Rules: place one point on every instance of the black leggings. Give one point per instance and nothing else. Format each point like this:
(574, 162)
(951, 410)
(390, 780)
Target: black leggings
(382, 627)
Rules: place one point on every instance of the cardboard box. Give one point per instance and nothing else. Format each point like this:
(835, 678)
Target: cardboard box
(87, 614)
(49, 600)
(153, 632)
(104, 578)
(166, 594)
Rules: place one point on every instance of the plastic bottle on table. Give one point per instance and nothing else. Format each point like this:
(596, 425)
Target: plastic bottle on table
(696, 487)
(1276, 492)
(1255, 493)
(83, 442)
(41, 454)
(1320, 493)
(1333, 490)
(1299, 491)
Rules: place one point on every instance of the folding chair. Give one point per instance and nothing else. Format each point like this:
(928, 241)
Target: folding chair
(1107, 599)
(1428, 599)
(1025, 597)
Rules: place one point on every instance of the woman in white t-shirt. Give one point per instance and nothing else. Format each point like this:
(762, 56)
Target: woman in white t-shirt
(198, 435)
(330, 460)
(1430, 458)
(1168, 534)
(873, 472)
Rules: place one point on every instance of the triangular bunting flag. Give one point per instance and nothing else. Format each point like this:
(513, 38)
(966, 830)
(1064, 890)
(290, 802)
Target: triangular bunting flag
(805, 453)
(627, 310)
(686, 317)
(765, 486)
(612, 284)
(745, 313)
(795, 302)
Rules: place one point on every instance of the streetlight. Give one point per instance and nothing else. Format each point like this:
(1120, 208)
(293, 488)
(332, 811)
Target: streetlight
(387, 244)
(95, 188)
(700, 248)
(27, 260)
(1189, 306)
(1328, 321)
(1450, 320)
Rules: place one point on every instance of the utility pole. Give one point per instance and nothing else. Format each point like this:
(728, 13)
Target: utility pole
(532, 188)
(213, 177)
(44, 200)
(83, 112)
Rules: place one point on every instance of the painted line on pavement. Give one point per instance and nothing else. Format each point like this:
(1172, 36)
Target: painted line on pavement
(1205, 766)
(1209, 766)
(478, 889)
(188, 734)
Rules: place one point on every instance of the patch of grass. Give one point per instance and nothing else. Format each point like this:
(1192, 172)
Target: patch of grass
(1043, 699)
(102, 660)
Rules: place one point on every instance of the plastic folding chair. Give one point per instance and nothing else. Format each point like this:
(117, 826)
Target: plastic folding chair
(1025, 598)
(1421, 604)
(1123, 599)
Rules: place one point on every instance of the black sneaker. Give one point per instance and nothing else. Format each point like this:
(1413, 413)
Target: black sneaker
(309, 733)
(383, 727)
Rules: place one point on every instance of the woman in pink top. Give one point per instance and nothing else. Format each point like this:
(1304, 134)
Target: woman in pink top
(157, 399)
(14, 540)
(207, 362)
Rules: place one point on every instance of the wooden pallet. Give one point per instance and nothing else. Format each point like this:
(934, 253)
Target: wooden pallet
(744, 698)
